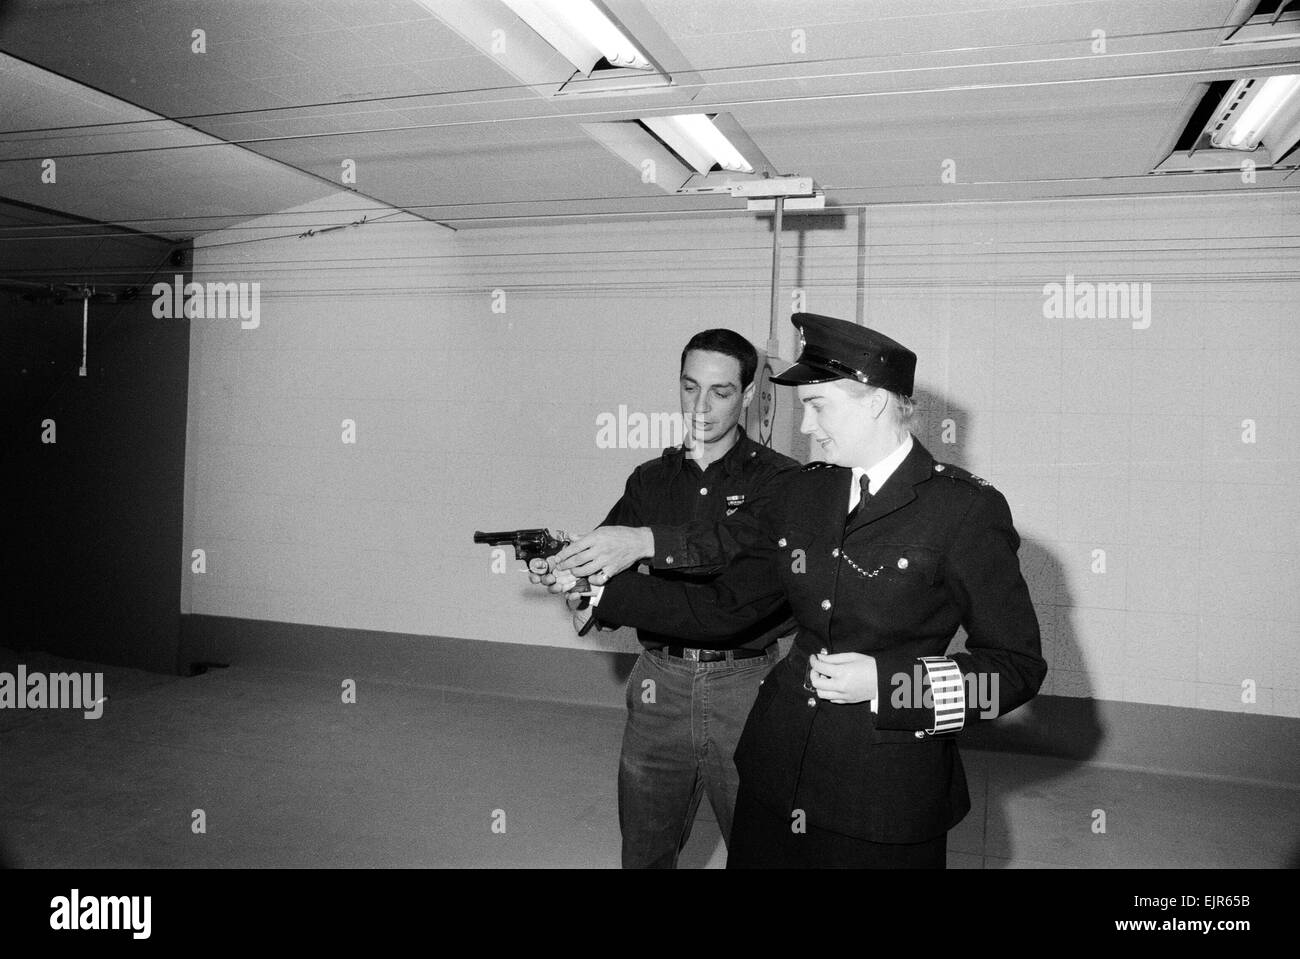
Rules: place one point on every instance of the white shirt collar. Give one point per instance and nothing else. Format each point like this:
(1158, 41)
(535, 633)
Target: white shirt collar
(880, 472)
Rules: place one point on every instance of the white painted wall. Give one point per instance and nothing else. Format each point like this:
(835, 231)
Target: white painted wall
(1103, 436)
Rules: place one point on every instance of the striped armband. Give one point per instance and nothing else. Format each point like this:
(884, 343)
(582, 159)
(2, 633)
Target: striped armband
(949, 692)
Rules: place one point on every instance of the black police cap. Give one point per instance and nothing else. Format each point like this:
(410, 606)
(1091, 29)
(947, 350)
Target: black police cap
(831, 349)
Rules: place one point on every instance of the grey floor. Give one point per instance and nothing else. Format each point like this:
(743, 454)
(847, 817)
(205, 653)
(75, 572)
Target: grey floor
(285, 774)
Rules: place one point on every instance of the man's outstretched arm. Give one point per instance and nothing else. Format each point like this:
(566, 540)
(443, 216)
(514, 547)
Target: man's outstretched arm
(749, 592)
(701, 546)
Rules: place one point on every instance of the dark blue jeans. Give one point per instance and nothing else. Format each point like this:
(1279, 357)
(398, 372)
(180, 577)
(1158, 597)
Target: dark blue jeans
(684, 719)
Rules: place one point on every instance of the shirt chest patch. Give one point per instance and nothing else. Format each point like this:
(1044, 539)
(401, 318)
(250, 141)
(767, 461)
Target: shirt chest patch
(735, 502)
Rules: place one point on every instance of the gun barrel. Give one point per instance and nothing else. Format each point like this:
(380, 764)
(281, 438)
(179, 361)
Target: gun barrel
(494, 538)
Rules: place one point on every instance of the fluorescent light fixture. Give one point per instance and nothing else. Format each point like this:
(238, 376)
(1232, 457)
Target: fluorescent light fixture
(1251, 107)
(581, 32)
(1231, 123)
(655, 144)
(694, 138)
(1280, 28)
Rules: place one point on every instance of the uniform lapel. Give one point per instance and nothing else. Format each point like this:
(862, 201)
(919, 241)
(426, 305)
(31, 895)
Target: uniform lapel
(833, 498)
(824, 501)
(899, 489)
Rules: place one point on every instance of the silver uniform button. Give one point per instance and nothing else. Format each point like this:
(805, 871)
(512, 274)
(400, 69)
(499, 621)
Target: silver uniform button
(920, 734)
(902, 562)
(826, 604)
(835, 552)
(812, 700)
(781, 542)
(668, 560)
(938, 467)
(704, 491)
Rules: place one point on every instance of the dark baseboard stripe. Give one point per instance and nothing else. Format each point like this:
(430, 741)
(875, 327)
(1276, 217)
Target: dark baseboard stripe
(509, 669)
(1176, 740)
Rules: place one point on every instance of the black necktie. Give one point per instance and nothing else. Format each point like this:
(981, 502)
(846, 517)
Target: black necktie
(864, 487)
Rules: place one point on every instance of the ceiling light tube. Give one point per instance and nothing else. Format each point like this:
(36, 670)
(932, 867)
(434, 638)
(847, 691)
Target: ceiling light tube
(581, 32)
(1261, 103)
(694, 138)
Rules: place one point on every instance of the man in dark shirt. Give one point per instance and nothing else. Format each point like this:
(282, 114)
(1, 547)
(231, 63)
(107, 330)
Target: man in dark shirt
(686, 514)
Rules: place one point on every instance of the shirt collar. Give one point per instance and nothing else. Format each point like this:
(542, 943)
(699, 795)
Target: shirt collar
(736, 457)
(886, 467)
(733, 461)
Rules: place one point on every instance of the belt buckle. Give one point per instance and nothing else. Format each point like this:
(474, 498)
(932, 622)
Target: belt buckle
(692, 654)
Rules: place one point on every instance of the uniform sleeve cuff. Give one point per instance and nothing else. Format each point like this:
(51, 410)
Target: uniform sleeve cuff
(949, 693)
(667, 548)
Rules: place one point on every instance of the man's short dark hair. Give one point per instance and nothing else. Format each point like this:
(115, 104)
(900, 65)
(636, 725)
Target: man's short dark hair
(730, 344)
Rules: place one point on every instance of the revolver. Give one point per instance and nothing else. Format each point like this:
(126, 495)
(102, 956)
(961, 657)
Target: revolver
(535, 547)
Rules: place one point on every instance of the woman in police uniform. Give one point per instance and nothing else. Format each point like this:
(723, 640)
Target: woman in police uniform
(849, 756)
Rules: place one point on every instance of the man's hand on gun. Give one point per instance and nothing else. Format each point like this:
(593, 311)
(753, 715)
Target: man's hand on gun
(563, 581)
(560, 581)
(607, 551)
(597, 555)
(539, 549)
(582, 612)
(573, 567)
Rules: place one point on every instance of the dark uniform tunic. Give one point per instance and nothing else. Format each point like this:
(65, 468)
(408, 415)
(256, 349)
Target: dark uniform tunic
(933, 550)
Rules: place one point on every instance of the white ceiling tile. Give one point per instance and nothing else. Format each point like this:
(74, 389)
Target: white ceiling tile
(883, 90)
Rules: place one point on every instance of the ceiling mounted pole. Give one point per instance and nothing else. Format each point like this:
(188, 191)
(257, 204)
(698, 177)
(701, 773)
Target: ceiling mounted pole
(773, 343)
(85, 323)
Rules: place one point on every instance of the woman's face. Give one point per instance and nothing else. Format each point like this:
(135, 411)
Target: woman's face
(843, 424)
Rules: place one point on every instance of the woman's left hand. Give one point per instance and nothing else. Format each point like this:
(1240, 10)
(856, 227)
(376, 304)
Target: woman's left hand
(844, 677)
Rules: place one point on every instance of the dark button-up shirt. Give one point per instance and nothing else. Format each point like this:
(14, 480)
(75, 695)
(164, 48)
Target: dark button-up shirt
(702, 519)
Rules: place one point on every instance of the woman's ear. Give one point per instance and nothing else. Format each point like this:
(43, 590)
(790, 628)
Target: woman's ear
(878, 399)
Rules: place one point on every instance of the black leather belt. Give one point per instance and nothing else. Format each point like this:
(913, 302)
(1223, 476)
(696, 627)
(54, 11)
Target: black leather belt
(712, 655)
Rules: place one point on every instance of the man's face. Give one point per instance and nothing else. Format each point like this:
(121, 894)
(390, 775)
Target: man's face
(712, 400)
(839, 422)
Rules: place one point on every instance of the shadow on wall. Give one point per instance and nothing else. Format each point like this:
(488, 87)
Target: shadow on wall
(7, 859)
(1293, 861)
(943, 427)
(801, 226)
(828, 221)
(622, 665)
(1058, 727)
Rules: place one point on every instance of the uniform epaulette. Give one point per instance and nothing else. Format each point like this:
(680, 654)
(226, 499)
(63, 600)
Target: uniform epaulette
(956, 472)
(817, 465)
